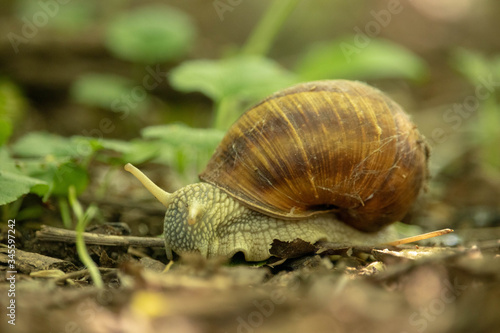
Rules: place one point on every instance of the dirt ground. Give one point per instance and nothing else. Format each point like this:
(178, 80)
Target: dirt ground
(322, 288)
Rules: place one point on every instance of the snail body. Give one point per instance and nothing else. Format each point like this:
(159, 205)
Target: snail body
(333, 160)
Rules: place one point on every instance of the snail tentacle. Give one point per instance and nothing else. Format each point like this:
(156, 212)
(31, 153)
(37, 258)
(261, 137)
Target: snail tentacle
(163, 196)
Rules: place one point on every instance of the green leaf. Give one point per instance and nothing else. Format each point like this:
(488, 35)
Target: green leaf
(13, 184)
(12, 108)
(496, 67)
(179, 135)
(110, 92)
(30, 213)
(150, 34)
(486, 133)
(67, 16)
(342, 59)
(478, 70)
(244, 76)
(133, 151)
(67, 175)
(185, 149)
(50, 159)
(141, 151)
(59, 174)
(41, 144)
(99, 144)
(5, 130)
(472, 65)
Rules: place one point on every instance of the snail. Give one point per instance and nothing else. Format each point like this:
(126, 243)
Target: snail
(332, 160)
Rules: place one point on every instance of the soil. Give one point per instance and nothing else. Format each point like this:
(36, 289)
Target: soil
(322, 288)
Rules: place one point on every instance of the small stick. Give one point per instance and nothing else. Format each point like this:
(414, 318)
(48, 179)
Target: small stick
(52, 234)
(420, 237)
(81, 273)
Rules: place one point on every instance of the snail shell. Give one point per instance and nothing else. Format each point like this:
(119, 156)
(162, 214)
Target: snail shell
(326, 146)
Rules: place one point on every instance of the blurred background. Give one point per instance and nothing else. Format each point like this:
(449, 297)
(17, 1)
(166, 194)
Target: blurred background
(86, 86)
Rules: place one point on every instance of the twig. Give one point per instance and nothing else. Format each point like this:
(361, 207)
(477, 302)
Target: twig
(420, 237)
(52, 234)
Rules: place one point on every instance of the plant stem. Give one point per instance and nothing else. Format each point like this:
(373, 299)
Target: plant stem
(263, 35)
(81, 249)
(65, 214)
(489, 122)
(10, 210)
(75, 204)
(225, 112)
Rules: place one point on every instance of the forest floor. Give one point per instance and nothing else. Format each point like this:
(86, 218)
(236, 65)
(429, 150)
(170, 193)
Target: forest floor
(321, 288)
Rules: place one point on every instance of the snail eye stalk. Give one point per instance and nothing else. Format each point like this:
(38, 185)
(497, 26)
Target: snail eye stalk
(163, 196)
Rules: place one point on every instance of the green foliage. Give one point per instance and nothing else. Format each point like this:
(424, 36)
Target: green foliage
(13, 183)
(83, 218)
(68, 16)
(232, 83)
(150, 34)
(178, 135)
(475, 66)
(106, 91)
(378, 60)
(483, 73)
(12, 107)
(133, 151)
(47, 165)
(243, 76)
(185, 149)
(42, 144)
(5, 130)
(262, 37)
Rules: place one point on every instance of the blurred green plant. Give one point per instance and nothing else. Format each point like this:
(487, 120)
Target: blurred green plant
(56, 167)
(12, 108)
(233, 84)
(483, 72)
(380, 59)
(63, 16)
(237, 82)
(183, 148)
(49, 165)
(83, 218)
(262, 37)
(150, 34)
(13, 182)
(45, 164)
(107, 92)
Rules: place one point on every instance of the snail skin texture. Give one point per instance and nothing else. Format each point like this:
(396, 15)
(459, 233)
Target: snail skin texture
(326, 160)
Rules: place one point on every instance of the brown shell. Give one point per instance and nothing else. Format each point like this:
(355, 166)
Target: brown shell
(323, 146)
